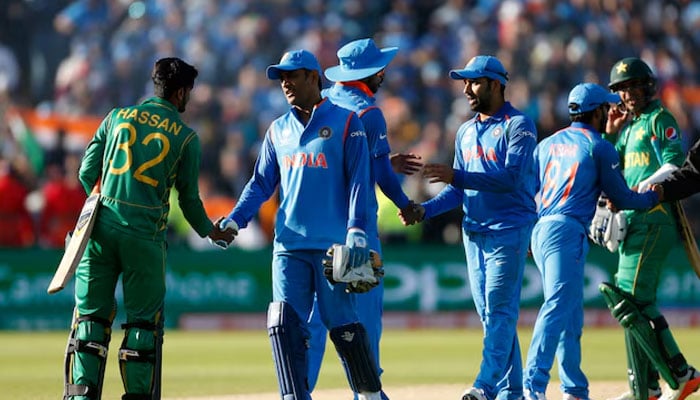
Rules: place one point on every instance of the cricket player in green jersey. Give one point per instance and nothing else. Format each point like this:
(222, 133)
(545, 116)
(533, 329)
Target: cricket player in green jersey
(648, 140)
(136, 156)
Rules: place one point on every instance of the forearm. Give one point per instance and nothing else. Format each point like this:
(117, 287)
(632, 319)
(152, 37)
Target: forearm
(388, 181)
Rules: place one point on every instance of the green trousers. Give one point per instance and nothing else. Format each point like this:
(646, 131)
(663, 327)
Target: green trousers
(112, 253)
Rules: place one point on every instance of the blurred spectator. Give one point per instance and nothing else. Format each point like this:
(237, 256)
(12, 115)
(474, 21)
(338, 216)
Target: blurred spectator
(63, 198)
(16, 225)
(102, 47)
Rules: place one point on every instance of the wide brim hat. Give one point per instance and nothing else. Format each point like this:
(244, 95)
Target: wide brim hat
(482, 67)
(360, 59)
(293, 60)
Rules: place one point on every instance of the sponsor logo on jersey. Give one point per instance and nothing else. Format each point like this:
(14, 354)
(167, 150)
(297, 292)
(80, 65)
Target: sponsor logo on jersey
(301, 160)
(357, 133)
(497, 132)
(325, 132)
(671, 133)
(382, 136)
(529, 134)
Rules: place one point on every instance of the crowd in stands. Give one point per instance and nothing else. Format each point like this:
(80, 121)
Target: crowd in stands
(81, 58)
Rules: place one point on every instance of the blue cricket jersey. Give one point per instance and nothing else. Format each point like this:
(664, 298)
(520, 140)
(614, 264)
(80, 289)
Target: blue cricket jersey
(494, 173)
(358, 98)
(574, 165)
(322, 170)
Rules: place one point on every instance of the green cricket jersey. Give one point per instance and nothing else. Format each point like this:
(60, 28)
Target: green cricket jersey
(140, 152)
(647, 142)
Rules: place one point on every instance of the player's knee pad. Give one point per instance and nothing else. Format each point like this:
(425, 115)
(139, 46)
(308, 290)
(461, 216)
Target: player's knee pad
(352, 345)
(644, 330)
(289, 344)
(140, 358)
(86, 356)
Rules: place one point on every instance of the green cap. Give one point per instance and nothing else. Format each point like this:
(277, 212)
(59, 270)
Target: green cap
(628, 69)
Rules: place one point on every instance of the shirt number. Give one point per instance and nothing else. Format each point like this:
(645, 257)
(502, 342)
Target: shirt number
(125, 146)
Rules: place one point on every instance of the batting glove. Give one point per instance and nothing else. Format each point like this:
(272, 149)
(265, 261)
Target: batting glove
(356, 240)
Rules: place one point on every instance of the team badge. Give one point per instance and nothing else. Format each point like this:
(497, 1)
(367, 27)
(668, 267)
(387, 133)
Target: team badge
(324, 133)
(671, 133)
(285, 137)
(497, 132)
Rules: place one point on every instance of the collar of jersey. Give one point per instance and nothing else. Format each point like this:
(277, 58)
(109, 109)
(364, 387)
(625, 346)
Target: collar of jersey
(161, 101)
(500, 115)
(361, 86)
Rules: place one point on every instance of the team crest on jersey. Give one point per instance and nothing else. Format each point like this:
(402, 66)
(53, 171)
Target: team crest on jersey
(671, 133)
(285, 137)
(325, 132)
(497, 132)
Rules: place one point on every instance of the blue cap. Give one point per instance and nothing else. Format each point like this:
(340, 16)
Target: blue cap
(482, 67)
(586, 97)
(359, 59)
(293, 60)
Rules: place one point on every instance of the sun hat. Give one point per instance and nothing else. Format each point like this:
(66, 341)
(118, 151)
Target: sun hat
(293, 60)
(359, 59)
(586, 97)
(480, 67)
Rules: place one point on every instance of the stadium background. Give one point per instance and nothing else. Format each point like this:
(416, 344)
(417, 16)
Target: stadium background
(64, 64)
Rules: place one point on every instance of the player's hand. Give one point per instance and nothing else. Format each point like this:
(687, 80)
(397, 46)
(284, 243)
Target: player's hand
(611, 206)
(224, 232)
(356, 240)
(617, 116)
(411, 214)
(659, 189)
(439, 173)
(406, 164)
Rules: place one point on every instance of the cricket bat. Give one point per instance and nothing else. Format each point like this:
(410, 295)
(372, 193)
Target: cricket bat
(77, 243)
(688, 238)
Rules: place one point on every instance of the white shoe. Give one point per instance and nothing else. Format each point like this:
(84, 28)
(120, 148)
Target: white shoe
(686, 386)
(369, 396)
(654, 394)
(474, 394)
(568, 396)
(530, 395)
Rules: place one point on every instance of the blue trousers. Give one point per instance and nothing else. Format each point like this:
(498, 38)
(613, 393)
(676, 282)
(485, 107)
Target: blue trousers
(297, 279)
(559, 246)
(369, 308)
(495, 262)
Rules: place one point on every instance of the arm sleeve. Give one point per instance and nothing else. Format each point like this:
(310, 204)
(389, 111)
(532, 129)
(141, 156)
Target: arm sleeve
(91, 165)
(448, 198)
(356, 157)
(666, 130)
(187, 185)
(521, 144)
(260, 186)
(388, 181)
(685, 181)
(613, 183)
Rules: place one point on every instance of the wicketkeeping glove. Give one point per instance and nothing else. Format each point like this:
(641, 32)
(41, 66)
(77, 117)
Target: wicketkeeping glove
(356, 240)
(608, 229)
(336, 268)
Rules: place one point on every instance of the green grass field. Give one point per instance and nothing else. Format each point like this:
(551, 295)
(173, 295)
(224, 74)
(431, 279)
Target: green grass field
(234, 362)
